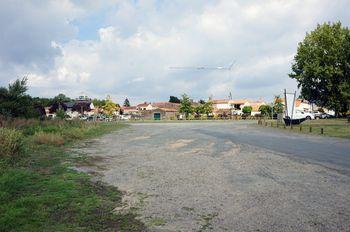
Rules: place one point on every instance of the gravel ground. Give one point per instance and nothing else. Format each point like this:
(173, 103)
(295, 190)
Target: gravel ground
(224, 177)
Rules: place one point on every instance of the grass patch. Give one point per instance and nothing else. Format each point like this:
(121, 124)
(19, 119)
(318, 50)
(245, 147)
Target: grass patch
(11, 142)
(39, 192)
(48, 138)
(157, 221)
(331, 127)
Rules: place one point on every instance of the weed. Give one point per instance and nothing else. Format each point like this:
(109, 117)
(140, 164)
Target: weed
(48, 138)
(11, 142)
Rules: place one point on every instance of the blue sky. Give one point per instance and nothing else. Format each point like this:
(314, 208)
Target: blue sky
(125, 48)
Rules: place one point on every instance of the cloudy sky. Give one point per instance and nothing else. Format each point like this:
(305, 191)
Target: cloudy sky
(125, 48)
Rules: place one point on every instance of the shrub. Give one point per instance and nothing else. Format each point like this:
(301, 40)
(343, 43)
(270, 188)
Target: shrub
(247, 110)
(61, 114)
(48, 138)
(11, 142)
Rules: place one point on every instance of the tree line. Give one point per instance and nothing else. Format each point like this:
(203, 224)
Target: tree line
(15, 102)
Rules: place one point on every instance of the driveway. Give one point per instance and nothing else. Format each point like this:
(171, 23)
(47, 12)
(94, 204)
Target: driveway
(226, 176)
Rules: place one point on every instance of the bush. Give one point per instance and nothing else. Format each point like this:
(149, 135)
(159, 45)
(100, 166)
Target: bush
(11, 142)
(48, 138)
(247, 110)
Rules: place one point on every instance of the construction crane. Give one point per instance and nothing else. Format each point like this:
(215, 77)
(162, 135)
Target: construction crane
(229, 67)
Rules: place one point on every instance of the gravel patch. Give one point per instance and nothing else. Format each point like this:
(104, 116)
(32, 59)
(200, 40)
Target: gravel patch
(181, 179)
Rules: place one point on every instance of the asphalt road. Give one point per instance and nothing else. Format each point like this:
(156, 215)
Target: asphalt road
(226, 176)
(331, 152)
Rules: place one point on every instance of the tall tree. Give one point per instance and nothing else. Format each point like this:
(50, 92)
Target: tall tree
(126, 102)
(186, 106)
(14, 102)
(174, 99)
(109, 108)
(98, 103)
(322, 67)
(265, 110)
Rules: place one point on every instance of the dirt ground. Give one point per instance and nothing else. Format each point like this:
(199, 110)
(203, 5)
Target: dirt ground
(225, 177)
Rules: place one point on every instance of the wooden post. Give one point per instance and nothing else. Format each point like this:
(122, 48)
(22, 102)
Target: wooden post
(321, 131)
(310, 129)
(301, 128)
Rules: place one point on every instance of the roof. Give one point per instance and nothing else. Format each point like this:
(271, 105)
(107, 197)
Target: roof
(220, 101)
(239, 101)
(168, 105)
(129, 108)
(145, 104)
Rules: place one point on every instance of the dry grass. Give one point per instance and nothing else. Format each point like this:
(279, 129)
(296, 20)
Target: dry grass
(48, 138)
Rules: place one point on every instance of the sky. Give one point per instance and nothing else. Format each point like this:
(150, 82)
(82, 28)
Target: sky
(125, 48)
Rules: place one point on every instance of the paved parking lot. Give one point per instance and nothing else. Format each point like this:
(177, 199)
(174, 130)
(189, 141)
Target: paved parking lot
(227, 176)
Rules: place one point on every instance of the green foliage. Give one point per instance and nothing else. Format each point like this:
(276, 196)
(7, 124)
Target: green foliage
(277, 105)
(14, 102)
(126, 102)
(42, 193)
(265, 110)
(61, 98)
(204, 108)
(322, 67)
(98, 103)
(247, 110)
(61, 114)
(11, 142)
(186, 106)
(109, 108)
(174, 99)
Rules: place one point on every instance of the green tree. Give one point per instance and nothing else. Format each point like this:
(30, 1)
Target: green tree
(186, 106)
(247, 110)
(61, 114)
(59, 100)
(208, 108)
(126, 102)
(14, 102)
(265, 110)
(174, 99)
(278, 105)
(204, 108)
(109, 108)
(322, 67)
(199, 109)
(98, 103)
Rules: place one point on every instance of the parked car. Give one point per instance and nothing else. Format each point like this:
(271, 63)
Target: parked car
(301, 114)
(125, 117)
(83, 117)
(237, 112)
(318, 114)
